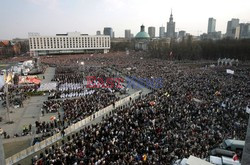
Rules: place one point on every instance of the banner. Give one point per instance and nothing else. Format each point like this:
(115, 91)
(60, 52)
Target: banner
(229, 71)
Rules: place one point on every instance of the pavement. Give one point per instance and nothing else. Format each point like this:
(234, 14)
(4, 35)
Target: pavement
(29, 114)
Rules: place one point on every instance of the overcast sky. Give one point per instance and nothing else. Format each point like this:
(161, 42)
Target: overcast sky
(48, 17)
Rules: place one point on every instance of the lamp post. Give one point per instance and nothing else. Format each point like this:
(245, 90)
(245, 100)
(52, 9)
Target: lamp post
(2, 155)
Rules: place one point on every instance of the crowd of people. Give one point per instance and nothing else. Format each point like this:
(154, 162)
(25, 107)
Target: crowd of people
(194, 111)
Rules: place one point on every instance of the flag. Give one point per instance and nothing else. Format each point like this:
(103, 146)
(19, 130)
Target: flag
(171, 53)
(52, 118)
(229, 71)
(167, 94)
(217, 93)
(235, 157)
(144, 157)
(152, 103)
(9, 77)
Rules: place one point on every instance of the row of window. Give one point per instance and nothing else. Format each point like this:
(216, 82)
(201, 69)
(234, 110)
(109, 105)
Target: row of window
(81, 42)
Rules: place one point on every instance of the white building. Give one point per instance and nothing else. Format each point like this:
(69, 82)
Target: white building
(73, 42)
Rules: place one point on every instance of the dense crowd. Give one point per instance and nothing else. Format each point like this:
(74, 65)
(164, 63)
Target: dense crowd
(74, 100)
(195, 110)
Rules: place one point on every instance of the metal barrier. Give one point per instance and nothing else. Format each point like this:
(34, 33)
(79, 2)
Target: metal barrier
(43, 144)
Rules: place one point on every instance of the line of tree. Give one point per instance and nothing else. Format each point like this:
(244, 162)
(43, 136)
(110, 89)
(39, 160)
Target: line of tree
(188, 49)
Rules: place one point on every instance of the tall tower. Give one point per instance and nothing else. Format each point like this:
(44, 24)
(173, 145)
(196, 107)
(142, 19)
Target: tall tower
(171, 27)
(151, 31)
(211, 25)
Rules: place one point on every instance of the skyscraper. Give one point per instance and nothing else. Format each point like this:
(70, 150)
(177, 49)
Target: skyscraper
(231, 26)
(151, 31)
(108, 31)
(245, 30)
(211, 25)
(171, 27)
(127, 34)
(162, 32)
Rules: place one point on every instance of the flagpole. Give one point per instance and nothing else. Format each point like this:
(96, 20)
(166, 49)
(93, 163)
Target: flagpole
(7, 103)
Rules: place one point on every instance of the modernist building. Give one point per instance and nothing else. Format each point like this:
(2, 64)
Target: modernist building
(211, 25)
(128, 34)
(245, 30)
(151, 31)
(73, 42)
(171, 27)
(231, 27)
(108, 31)
(142, 39)
(162, 32)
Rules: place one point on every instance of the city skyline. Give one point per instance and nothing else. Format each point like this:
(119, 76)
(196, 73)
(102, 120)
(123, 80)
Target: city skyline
(49, 17)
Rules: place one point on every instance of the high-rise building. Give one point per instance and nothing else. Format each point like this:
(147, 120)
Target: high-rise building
(98, 32)
(171, 27)
(128, 34)
(162, 32)
(245, 30)
(231, 26)
(211, 25)
(108, 31)
(151, 31)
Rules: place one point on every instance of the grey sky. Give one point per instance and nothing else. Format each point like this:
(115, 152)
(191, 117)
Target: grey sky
(48, 17)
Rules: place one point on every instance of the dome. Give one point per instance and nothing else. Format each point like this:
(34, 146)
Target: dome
(142, 34)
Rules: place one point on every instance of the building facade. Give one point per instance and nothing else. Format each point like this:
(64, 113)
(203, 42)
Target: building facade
(74, 42)
(231, 27)
(108, 31)
(171, 27)
(151, 31)
(162, 32)
(128, 34)
(211, 25)
(245, 30)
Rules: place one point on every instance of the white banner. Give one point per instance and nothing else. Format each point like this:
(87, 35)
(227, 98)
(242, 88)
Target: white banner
(229, 71)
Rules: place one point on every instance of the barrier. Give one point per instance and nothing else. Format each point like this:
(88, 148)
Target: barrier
(45, 143)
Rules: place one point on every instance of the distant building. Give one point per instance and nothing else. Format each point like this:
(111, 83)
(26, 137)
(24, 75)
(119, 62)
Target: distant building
(162, 32)
(108, 31)
(113, 34)
(211, 35)
(10, 48)
(73, 42)
(128, 34)
(98, 32)
(182, 34)
(171, 27)
(245, 30)
(211, 25)
(142, 39)
(151, 31)
(231, 26)
(236, 32)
